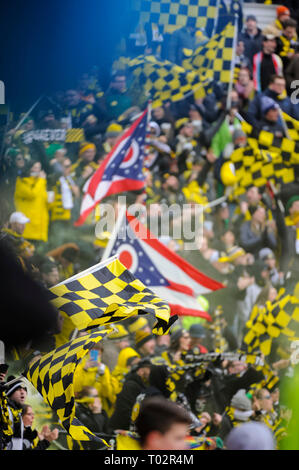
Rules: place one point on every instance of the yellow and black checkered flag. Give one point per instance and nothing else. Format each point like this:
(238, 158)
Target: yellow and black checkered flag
(266, 158)
(267, 323)
(53, 376)
(174, 14)
(287, 148)
(215, 59)
(108, 293)
(257, 167)
(163, 80)
(292, 126)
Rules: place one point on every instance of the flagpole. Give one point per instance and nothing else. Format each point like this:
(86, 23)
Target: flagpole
(238, 116)
(214, 203)
(28, 113)
(275, 192)
(228, 103)
(2, 353)
(123, 208)
(216, 22)
(117, 226)
(286, 130)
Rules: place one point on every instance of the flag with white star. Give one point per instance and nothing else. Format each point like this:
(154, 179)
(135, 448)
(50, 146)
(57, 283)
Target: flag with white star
(163, 271)
(121, 170)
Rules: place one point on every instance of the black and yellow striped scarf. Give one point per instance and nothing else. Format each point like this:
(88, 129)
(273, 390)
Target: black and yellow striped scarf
(286, 46)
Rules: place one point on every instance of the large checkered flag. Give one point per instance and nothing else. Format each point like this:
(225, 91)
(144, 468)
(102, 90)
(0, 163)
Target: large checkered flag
(53, 377)
(215, 59)
(267, 323)
(266, 158)
(174, 14)
(164, 81)
(108, 293)
(257, 167)
(286, 147)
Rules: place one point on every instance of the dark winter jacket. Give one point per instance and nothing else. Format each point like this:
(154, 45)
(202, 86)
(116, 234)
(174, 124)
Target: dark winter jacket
(125, 401)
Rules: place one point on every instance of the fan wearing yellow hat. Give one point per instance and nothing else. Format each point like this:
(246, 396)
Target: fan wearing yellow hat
(113, 131)
(127, 358)
(138, 323)
(145, 343)
(86, 164)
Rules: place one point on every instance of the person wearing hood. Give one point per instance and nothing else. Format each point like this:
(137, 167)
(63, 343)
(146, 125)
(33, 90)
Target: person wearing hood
(238, 412)
(31, 199)
(127, 359)
(136, 381)
(182, 42)
(276, 90)
(161, 385)
(271, 121)
(158, 387)
(114, 344)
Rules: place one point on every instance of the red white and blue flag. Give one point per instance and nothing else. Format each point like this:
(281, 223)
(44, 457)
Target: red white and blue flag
(171, 277)
(122, 169)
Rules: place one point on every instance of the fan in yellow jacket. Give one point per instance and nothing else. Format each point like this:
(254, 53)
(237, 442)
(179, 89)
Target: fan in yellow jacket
(127, 358)
(92, 373)
(31, 199)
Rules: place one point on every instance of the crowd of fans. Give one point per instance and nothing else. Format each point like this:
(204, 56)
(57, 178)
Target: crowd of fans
(249, 244)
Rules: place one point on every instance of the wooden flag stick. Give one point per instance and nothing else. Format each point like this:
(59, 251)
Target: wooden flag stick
(285, 127)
